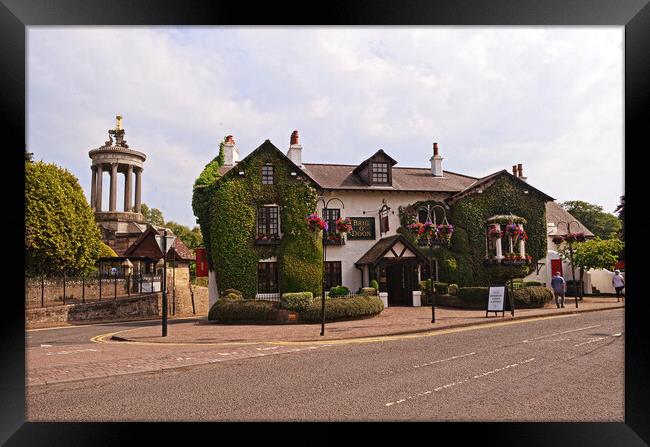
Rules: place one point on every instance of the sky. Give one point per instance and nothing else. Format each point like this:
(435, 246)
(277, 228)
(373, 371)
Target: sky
(550, 98)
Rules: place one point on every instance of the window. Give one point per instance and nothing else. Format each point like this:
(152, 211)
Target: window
(330, 215)
(267, 277)
(379, 172)
(267, 175)
(267, 221)
(332, 274)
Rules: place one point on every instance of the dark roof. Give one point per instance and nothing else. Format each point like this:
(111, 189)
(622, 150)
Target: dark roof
(139, 248)
(555, 213)
(381, 153)
(483, 180)
(267, 145)
(331, 176)
(381, 247)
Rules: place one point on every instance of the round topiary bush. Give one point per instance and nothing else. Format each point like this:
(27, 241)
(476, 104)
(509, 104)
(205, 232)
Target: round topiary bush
(369, 291)
(225, 310)
(343, 308)
(453, 289)
(339, 291)
(374, 284)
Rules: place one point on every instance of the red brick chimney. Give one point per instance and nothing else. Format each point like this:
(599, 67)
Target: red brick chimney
(514, 170)
(436, 162)
(520, 168)
(295, 149)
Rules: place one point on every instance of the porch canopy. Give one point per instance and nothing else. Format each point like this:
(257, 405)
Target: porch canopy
(393, 247)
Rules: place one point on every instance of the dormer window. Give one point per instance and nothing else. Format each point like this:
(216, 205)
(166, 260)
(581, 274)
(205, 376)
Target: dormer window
(379, 172)
(268, 175)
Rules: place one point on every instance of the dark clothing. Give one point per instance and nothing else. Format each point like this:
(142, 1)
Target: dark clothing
(557, 283)
(619, 292)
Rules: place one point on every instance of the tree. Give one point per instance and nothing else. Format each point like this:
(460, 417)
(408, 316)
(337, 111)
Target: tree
(601, 224)
(620, 211)
(593, 254)
(60, 230)
(152, 215)
(191, 238)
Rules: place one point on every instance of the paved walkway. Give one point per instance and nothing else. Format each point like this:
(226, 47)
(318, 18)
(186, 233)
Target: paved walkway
(392, 321)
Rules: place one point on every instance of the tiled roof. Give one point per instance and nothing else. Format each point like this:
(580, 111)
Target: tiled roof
(555, 213)
(332, 176)
(381, 247)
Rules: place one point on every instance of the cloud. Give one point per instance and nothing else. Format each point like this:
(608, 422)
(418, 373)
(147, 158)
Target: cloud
(550, 98)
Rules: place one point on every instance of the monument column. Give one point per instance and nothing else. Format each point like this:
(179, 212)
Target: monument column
(138, 189)
(113, 192)
(98, 197)
(127, 188)
(93, 188)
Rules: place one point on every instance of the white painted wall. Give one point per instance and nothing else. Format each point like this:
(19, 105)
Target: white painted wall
(371, 201)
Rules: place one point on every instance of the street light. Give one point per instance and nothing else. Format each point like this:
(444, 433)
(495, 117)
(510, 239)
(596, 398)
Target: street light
(570, 241)
(325, 238)
(433, 242)
(164, 243)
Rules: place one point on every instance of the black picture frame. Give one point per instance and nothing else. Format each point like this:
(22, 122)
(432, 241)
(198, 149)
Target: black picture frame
(16, 15)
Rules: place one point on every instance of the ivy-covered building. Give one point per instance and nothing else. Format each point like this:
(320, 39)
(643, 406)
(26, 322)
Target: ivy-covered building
(252, 214)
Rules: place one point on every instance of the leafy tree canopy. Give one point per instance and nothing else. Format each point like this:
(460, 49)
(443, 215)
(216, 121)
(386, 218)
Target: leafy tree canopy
(604, 225)
(192, 238)
(595, 253)
(60, 230)
(620, 211)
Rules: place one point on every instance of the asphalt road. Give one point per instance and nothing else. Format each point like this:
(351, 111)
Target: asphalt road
(561, 369)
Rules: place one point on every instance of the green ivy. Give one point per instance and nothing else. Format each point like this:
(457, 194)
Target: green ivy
(462, 263)
(227, 212)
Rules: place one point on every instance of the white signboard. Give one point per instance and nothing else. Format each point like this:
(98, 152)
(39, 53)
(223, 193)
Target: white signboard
(146, 287)
(496, 299)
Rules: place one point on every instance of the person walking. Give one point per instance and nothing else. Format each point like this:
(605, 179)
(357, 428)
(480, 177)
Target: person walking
(619, 284)
(559, 289)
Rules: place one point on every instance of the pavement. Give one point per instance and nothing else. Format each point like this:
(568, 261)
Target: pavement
(391, 321)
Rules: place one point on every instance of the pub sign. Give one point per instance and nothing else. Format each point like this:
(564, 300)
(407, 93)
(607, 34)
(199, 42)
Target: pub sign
(362, 228)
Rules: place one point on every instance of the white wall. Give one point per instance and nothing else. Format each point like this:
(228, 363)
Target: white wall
(371, 201)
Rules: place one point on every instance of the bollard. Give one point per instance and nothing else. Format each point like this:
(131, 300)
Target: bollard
(42, 290)
(115, 288)
(83, 289)
(128, 286)
(64, 287)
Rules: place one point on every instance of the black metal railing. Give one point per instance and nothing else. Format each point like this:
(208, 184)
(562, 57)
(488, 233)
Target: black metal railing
(49, 290)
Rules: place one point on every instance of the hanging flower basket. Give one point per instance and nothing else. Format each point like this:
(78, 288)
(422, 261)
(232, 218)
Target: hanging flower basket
(557, 240)
(574, 237)
(494, 232)
(512, 230)
(343, 225)
(444, 233)
(335, 239)
(315, 223)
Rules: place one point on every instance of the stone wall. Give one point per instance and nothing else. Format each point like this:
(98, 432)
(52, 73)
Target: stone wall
(136, 308)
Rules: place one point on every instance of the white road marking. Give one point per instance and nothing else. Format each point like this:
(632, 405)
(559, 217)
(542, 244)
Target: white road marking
(591, 340)
(71, 352)
(617, 335)
(460, 382)
(46, 346)
(559, 333)
(444, 360)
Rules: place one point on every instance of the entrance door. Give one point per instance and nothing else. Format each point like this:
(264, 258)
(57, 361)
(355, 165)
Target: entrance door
(399, 284)
(556, 266)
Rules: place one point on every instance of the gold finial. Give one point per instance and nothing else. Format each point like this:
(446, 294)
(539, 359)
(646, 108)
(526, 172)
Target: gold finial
(118, 124)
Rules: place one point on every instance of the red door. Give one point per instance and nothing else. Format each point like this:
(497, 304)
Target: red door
(201, 263)
(556, 266)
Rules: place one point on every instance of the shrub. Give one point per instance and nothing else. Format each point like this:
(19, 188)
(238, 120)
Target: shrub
(532, 296)
(238, 310)
(232, 297)
(473, 297)
(296, 301)
(374, 284)
(453, 289)
(368, 291)
(232, 291)
(201, 281)
(441, 287)
(339, 291)
(343, 308)
(532, 284)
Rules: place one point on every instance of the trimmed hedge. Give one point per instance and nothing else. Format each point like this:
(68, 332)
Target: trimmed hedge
(532, 284)
(532, 296)
(339, 291)
(296, 301)
(343, 308)
(525, 297)
(441, 288)
(370, 291)
(453, 289)
(238, 310)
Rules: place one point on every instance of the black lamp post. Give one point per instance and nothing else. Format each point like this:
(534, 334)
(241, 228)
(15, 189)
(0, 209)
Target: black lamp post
(573, 268)
(433, 242)
(325, 238)
(165, 243)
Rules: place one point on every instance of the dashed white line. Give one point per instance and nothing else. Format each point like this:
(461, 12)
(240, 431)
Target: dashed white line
(71, 352)
(590, 341)
(460, 382)
(444, 360)
(560, 333)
